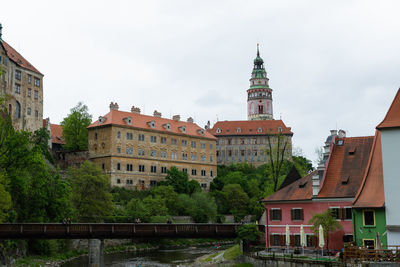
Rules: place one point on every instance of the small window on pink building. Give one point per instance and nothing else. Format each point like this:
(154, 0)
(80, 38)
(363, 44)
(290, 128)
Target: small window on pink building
(275, 214)
(297, 214)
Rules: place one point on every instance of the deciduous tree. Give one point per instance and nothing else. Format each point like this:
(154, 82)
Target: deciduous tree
(329, 224)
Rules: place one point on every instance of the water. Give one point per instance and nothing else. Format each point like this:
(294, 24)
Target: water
(157, 258)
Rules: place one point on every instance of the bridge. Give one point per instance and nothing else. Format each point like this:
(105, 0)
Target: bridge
(115, 230)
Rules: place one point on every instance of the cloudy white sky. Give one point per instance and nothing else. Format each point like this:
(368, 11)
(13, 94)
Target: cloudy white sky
(331, 64)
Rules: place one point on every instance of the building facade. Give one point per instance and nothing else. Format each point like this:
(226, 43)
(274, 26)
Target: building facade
(251, 141)
(137, 150)
(22, 85)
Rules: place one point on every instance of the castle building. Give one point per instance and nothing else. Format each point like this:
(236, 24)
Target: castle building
(22, 85)
(254, 140)
(136, 150)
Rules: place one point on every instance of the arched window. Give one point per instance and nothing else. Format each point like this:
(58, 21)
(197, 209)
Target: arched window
(17, 110)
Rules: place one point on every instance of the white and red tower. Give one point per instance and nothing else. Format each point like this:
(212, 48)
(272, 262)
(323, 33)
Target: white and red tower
(259, 95)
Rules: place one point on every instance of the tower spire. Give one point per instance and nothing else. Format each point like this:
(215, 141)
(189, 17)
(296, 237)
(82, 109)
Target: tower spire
(258, 50)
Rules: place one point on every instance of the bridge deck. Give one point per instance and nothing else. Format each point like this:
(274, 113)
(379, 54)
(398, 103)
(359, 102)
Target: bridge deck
(115, 230)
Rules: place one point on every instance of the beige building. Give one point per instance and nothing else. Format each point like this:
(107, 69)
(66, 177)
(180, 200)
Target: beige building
(22, 84)
(136, 150)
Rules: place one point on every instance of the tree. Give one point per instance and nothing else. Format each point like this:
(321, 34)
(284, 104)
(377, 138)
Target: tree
(329, 224)
(169, 195)
(40, 139)
(75, 130)
(90, 196)
(179, 180)
(204, 208)
(249, 232)
(237, 200)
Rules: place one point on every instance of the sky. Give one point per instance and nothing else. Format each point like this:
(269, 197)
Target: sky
(331, 64)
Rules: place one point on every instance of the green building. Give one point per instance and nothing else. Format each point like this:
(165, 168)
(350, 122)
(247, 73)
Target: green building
(369, 217)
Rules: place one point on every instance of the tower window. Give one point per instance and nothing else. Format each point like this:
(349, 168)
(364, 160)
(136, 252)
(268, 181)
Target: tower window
(261, 109)
(18, 110)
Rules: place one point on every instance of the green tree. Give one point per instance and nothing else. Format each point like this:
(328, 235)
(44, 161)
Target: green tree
(90, 192)
(179, 180)
(5, 203)
(193, 187)
(237, 200)
(329, 224)
(137, 209)
(249, 232)
(75, 130)
(40, 139)
(169, 195)
(204, 208)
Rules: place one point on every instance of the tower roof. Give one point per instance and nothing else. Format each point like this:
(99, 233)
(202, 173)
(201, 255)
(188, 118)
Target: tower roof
(258, 61)
(392, 118)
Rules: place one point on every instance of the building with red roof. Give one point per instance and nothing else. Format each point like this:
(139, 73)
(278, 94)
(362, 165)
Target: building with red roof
(23, 84)
(136, 150)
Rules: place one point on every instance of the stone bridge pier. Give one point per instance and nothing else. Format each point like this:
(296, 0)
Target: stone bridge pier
(96, 252)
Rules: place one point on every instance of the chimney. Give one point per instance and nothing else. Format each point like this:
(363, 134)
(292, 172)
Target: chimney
(114, 106)
(135, 110)
(208, 125)
(157, 114)
(333, 132)
(176, 117)
(342, 133)
(1, 33)
(190, 119)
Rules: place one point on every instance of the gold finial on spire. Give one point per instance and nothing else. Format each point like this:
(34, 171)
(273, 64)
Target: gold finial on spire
(258, 51)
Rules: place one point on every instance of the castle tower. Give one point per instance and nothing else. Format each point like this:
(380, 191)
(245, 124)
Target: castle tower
(259, 95)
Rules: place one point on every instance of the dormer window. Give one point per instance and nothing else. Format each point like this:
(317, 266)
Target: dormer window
(128, 120)
(238, 130)
(167, 126)
(218, 130)
(102, 119)
(280, 129)
(200, 131)
(182, 129)
(259, 130)
(152, 124)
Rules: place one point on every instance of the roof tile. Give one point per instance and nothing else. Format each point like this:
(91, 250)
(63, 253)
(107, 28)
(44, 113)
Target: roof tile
(392, 118)
(250, 127)
(18, 58)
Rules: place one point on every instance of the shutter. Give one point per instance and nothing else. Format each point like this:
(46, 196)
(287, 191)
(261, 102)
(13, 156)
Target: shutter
(271, 240)
(302, 214)
(292, 240)
(314, 241)
(292, 214)
(282, 239)
(280, 215)
(270, 214)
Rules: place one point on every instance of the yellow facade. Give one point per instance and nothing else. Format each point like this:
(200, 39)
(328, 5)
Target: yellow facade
(138, 158)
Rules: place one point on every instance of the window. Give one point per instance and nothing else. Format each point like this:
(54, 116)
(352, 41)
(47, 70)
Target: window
(275, 214)
(203, 172)
(297, 214)
(141, 168)
(194, 172)
(218, 130)
(347, 213)
(276, 239)
(153, 183)
(129, 150)
(163, 154)
(174, 155)
(141, 137)
(297, 240)
(18, 75)
(211, 159)
(204, 186)
(203, 145)
(129, 136)
(230, 153)
(163, 169)
(118, 149)
(36, 94)
(184, 142)
(17, 88)
(118, 181)
(184, 156)
(129, 167)
(193, 144)
(369, 217)
(153, 169)
(129, 181)
(29, 79)
(311, 240)
(369, 243)
(203, 157)
(211, 146)
(335, 213)
(184, 170)
(238, 130)
(17, 110)
(259, 130)
(163, 140)
(140, 152)
(36, 113)
(194, 156)
(153, 153)
(29, 92)
(173, 141)
(28, 111)
(347, 238)
(153, 139)
(119, 135)
(37, 82)
(211, 174)
(103, 166)
(95, 136)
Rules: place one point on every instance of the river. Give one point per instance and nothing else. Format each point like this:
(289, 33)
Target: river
(157, 258)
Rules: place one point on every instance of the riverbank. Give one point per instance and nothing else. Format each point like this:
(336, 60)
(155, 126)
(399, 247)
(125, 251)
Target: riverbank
(225, 257)
(62, 258)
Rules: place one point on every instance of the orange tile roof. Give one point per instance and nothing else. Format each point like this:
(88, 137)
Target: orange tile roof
(116, 117)
(250, 127)
(392, 118)
(56, 134)
(18, 58)
(300, 189)
(371, 193)
(345, 171)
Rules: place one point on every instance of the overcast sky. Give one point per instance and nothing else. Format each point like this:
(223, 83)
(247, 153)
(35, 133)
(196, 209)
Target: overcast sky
(331, 64)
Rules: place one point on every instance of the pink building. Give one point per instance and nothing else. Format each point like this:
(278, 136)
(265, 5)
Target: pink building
(332, 186)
